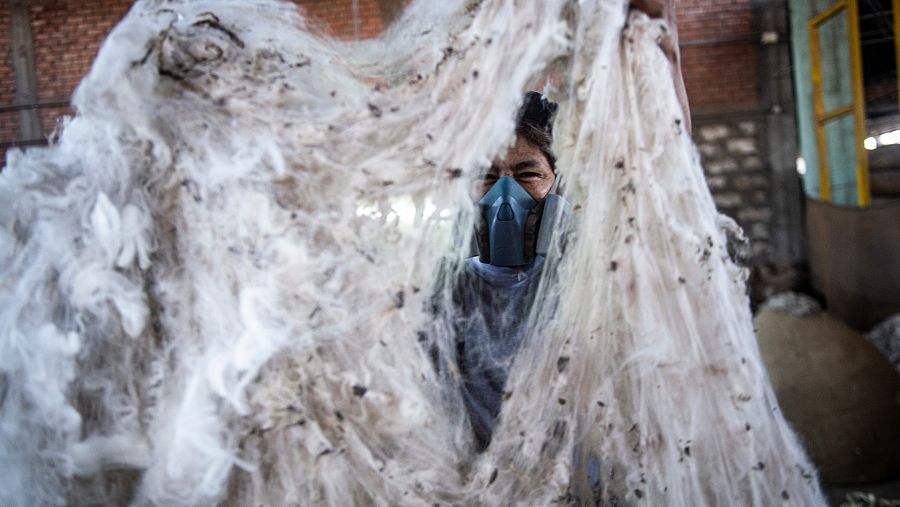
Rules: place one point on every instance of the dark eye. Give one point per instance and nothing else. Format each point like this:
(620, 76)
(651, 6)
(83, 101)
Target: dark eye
(489, 177)
(527, 175)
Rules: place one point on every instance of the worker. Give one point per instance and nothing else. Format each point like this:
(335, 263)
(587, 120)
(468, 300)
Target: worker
(518, 209)
(496, 288)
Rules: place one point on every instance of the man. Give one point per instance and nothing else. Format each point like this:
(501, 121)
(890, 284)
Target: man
(496, 289)
(517, 212)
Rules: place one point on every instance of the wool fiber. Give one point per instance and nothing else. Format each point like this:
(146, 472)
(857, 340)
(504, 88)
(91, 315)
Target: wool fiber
(230, 279)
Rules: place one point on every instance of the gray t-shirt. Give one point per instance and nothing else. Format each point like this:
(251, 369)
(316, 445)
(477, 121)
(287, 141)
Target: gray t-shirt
(494, 303)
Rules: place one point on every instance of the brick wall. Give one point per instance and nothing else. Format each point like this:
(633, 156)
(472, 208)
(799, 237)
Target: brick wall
(67, 35)
(339, 20)
(721, 76)
(8, 121)
(719, 53)
(737, 175)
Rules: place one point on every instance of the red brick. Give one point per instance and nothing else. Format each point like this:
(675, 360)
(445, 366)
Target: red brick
(721, 73)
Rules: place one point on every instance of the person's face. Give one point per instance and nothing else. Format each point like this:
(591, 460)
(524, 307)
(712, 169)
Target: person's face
(526, 164)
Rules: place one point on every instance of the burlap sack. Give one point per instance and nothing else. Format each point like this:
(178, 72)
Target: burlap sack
(837, 390)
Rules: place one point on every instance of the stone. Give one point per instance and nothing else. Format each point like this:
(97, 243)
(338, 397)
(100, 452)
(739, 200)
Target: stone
(759, 231)
(837, 391)
(716, 182)
(741, 145)
(727, 200)
(748, 181)
(752, 162)
(747, 127)
(708, 150)
(760, 248)
(754, 215)
(759, 197)
(725, 165)
(713, 132)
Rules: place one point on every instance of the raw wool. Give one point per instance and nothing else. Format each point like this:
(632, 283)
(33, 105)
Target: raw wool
(228, 281)
(886, 338)
(794, 304)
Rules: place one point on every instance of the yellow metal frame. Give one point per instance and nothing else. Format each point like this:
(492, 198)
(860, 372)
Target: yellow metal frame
(895, 7)
(857, 107)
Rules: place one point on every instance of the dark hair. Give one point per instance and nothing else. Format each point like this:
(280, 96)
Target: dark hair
(535, 124)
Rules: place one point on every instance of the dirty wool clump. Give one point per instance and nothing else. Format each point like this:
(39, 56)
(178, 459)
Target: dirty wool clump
(886, 338)
(230, 281)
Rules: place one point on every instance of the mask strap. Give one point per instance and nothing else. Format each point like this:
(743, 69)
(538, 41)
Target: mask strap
(554, 189)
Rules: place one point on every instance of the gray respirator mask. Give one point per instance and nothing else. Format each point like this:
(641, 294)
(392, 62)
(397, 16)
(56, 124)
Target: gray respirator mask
(514, 227)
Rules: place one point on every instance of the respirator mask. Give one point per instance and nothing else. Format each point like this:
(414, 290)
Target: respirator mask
(514, 227)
